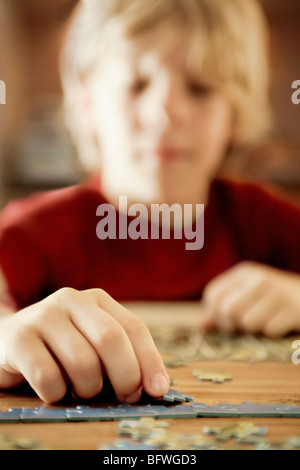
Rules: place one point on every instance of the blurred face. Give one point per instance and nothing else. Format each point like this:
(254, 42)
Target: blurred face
(162, 130)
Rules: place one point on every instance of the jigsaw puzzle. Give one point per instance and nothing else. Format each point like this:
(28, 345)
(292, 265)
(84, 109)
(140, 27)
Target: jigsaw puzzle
(125, 411)
(176, 405)
(180, 347)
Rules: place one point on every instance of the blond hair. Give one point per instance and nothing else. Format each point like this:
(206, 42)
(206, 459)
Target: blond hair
(229, 40)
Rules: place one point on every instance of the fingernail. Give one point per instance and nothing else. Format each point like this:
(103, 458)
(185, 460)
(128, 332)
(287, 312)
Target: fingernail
(159, 384)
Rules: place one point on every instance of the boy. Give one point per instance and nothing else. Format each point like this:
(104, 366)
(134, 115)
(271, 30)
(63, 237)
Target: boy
(156, 93)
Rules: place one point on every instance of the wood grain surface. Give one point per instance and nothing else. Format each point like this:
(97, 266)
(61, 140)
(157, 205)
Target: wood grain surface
(263, 382)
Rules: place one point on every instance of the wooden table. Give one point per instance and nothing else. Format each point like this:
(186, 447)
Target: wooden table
(264, 382)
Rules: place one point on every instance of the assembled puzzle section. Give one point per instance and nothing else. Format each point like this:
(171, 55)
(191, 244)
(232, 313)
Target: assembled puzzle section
(187, 410)
(172, 405)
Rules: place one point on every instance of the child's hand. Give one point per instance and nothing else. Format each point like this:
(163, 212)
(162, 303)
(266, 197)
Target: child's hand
(253, 298)
(78, 336)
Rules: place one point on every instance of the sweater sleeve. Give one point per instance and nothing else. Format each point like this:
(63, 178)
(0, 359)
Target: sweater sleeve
(268, 225)
(47, 241)
(282, 221)
(21, 259)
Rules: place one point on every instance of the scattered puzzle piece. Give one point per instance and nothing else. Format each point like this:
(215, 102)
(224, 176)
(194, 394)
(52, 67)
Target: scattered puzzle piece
(265, 445)
(241, 431)
(294, 441)
(19, 443)
(185, 345)
(6, 443)
(142, 428)
(24, 443)
(200, 442)
(216, 377)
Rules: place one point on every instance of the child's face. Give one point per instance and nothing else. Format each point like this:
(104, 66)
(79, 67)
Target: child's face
(163, 132)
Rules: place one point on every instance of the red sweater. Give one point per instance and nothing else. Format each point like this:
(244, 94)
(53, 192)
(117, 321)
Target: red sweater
(49, 241)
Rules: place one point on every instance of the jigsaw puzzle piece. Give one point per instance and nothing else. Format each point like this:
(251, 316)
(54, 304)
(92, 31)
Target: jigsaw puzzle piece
(10, 416)
(201, 409)
(124, 445)
(259, 410)
(243, 432)
(288, 411)
(43, 415)
(226, 409)
(171, 397)
(188, 398)
(179, 411)
(139, 429)
(174, 395)
(220, 410)
(85, 413)
(216, 377)
(125, 411)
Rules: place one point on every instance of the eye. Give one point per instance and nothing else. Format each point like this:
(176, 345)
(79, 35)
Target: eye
(139, 85)
(198, 89)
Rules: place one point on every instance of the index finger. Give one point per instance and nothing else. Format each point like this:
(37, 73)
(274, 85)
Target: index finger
(154, 375)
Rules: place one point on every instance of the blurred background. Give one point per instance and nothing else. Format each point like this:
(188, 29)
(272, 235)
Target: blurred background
(35, 150)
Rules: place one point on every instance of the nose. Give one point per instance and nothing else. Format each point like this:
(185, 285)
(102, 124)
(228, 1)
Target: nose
(166, 106)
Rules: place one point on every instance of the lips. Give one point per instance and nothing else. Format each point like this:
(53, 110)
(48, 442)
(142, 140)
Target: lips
(169, 154)
(163, 152)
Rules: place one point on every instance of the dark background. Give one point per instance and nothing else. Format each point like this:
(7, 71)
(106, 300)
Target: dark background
(36, 152)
